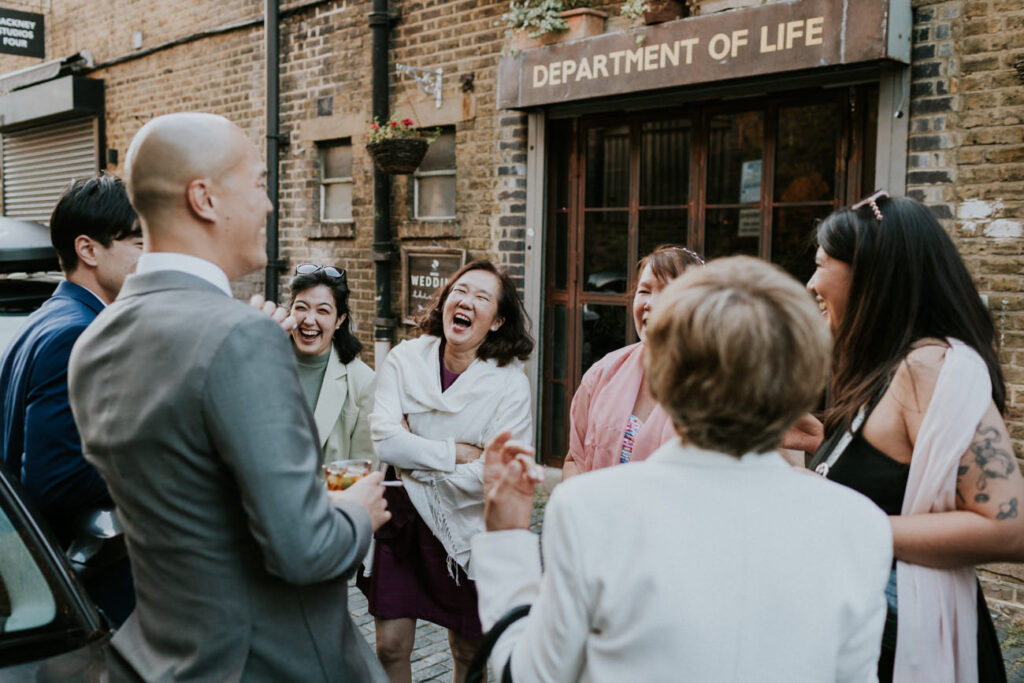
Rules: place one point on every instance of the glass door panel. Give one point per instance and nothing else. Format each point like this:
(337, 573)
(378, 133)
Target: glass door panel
(732, 231)
(735, 154)
(805, 155)
(664, 163)
(661, 226)
(604, 330)
(607, 183)
(606, 251)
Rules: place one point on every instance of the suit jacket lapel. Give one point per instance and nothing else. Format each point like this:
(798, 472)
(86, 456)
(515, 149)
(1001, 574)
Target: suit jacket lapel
(333, 392)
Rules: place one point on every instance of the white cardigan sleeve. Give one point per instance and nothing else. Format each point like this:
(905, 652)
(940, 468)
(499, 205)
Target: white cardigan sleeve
(396, 445)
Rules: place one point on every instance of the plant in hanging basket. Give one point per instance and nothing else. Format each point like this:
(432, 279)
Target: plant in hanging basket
(397, 146)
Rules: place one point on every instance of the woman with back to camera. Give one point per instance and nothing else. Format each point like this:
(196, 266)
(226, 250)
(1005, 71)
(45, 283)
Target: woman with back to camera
(338, 386)
(915, 423)
(440, 398)
(614, 418)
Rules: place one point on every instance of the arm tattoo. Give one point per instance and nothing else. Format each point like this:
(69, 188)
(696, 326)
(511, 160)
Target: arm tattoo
(993, 461)
(960, 472)
(1008, 510)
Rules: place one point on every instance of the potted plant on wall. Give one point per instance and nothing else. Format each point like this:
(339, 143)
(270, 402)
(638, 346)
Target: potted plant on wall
(535, 23)
(654, 11)
(397, 146)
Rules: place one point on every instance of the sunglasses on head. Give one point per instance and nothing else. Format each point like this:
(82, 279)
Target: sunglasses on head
(872, 201)
(310, 268)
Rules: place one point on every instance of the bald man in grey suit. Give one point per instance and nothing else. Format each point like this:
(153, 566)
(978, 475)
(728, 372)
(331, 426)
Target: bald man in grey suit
(189, 405)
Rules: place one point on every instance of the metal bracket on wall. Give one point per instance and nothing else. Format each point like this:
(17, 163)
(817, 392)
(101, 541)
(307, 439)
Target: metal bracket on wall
(428, 80)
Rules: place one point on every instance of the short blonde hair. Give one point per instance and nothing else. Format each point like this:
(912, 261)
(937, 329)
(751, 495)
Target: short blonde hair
(736, 352)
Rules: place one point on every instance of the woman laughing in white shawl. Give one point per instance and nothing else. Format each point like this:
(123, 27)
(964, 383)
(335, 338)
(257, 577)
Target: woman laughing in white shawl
(431, 430)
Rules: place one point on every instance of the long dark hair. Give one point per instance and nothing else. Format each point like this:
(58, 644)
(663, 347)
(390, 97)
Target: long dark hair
(908, 283)
(511, 340)
(344, 342)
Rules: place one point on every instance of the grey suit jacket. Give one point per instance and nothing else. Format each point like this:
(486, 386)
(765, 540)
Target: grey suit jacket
(189, 405)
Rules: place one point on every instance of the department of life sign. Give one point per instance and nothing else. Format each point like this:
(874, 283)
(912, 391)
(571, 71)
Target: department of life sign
(425, 270)
(775, 37)
(21, 33)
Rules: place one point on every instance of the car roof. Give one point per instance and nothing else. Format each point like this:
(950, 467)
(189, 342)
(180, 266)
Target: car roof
(26, 247)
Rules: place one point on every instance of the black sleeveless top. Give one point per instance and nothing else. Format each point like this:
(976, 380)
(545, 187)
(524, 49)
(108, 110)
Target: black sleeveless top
(869, 471)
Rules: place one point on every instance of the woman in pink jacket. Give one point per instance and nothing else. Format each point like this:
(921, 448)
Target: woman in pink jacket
(614, 418)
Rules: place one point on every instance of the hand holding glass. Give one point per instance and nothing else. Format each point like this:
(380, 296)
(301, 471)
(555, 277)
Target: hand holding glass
(341, 474)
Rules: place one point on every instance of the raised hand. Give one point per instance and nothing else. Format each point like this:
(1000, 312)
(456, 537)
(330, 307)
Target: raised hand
(510, 475)
(277, 313)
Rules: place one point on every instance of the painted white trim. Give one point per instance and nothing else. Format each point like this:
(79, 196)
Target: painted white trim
(893, 129)
(533, 277)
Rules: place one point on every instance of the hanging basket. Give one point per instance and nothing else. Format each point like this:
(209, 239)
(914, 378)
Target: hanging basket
(398, 156)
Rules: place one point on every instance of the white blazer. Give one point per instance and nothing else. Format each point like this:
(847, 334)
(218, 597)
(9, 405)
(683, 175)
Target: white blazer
(693, 566)
(343, 410)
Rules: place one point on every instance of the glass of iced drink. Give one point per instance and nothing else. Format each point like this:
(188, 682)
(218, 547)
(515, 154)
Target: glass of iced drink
(341, 474)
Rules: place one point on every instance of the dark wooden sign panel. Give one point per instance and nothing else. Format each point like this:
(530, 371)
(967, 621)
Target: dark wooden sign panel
(21, 33)
(424, 271)
(772, 38)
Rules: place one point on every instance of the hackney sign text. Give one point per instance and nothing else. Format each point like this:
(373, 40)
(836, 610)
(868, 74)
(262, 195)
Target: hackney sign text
(21, 33)
(773, 38)
(424, 272)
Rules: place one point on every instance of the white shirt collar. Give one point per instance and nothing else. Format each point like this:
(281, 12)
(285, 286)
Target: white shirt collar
(193, 265)
(95, 295)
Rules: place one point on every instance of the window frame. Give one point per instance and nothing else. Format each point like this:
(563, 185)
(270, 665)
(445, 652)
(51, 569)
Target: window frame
(452, 172)
(326, 180)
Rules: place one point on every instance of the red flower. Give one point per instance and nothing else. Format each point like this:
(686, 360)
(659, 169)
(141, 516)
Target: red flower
(374, 126)
(394, 124)
(407, 122)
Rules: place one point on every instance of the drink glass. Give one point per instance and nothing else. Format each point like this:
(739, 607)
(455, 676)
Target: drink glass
(340, 474)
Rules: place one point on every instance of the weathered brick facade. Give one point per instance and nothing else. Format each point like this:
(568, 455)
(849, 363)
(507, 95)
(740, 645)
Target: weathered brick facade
(965, 155)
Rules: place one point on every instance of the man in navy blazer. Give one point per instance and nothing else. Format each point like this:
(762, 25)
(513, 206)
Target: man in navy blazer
(98, 240)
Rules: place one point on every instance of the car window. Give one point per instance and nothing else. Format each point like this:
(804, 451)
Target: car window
(26, 598)
(26, 601)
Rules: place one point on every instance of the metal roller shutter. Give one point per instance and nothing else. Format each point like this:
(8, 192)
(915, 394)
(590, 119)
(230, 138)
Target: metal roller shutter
(39, 162)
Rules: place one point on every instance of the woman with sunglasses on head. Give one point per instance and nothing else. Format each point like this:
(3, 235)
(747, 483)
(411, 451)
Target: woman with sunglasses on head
(338, 386)
(915, 423)
(614, 418)
(440, 398)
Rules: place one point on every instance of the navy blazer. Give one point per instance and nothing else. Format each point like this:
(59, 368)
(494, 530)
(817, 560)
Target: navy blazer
(40, 444)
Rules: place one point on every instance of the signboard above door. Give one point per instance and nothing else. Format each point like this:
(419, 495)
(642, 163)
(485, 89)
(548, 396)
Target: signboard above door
(21, 33)
(777, 37)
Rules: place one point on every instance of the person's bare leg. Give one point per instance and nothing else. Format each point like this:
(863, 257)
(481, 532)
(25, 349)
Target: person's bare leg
(463, 650)
(395, 639)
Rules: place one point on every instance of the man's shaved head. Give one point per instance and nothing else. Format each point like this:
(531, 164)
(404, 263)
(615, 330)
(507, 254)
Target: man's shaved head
(171, 151)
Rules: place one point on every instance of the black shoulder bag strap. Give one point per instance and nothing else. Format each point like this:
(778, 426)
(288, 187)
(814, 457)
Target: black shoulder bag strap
(478, 665)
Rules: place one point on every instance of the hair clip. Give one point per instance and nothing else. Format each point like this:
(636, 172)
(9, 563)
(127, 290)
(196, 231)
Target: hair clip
(872, 201)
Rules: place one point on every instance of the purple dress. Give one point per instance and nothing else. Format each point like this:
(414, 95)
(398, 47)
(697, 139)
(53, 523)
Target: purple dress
(410, 576)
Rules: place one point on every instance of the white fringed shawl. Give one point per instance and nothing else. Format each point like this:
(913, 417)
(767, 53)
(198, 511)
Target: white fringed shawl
(484, 401)
(936, 637)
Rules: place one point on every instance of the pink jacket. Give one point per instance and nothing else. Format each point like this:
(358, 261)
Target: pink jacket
(602, 406)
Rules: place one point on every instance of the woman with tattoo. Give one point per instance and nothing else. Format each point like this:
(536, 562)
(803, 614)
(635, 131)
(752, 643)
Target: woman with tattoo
(915, 423)
(614, 418)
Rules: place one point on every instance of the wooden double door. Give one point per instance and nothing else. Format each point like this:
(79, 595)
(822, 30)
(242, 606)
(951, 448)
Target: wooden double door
(747, 177)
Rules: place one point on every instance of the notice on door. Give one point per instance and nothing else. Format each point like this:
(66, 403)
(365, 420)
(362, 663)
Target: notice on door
(21, 33)
(424, 272)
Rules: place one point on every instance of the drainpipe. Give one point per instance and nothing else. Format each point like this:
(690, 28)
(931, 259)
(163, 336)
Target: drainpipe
(270, 35)
(383, 248)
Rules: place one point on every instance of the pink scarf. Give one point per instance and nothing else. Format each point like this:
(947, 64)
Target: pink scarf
(936, 638)
(602, 406)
